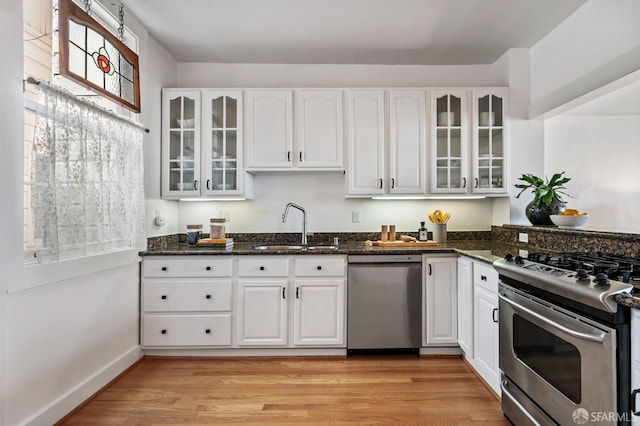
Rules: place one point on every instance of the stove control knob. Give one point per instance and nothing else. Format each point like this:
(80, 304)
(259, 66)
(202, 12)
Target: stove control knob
(601, 279)
(508, 257)
(582, 275)
(519, 260)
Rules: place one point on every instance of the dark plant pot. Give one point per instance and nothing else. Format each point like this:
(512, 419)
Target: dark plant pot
(540, 215)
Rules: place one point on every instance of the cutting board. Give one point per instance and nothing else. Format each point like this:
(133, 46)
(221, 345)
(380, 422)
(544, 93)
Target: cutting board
(403, 244)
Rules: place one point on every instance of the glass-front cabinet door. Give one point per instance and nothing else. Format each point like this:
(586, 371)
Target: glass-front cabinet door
(181, 143)
(489, 141)
(222, 142)
(449, 141)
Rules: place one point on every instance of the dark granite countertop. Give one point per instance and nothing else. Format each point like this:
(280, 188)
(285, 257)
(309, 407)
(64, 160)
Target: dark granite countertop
(484, 250)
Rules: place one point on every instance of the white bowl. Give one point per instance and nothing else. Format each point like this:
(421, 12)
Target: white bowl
(563, 221)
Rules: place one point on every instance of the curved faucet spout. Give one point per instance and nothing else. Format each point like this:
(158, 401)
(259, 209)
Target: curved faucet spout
(304, 219)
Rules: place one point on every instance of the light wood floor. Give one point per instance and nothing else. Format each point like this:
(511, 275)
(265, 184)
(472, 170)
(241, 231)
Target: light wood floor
(295, 390)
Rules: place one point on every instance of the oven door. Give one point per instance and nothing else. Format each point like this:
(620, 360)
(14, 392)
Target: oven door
(560, 360)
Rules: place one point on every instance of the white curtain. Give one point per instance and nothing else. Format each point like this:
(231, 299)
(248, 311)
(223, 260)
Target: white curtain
(87, 179)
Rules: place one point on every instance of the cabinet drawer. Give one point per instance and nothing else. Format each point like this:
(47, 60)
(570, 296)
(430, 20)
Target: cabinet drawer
(485, 276)
(263, 267)
(320, 266)
(186, 330)
(187, 267)
(175, 295)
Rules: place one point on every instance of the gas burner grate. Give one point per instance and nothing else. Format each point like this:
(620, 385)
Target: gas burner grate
(616, 267)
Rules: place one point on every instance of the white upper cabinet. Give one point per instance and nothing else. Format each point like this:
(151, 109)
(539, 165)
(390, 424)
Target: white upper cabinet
(489, 141)
(222, 143)
(316, 143)
(202, 144)
(378, 166)
(269, 116)
(407, 142)
(365, 173)
(319, 128)
(449, 141)
(181, 143)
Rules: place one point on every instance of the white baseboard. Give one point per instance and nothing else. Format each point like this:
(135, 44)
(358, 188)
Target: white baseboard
(441, 350)
(248, 352)
(76, 396)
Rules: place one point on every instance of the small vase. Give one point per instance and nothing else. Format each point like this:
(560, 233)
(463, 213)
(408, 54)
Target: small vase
(540, 215)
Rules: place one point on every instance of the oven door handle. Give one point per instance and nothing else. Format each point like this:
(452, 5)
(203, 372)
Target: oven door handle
(599, 338)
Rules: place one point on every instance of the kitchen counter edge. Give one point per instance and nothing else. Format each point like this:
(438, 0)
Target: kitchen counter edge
(483, 250)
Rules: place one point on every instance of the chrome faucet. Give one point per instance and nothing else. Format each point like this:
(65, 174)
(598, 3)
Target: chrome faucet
(304, 220)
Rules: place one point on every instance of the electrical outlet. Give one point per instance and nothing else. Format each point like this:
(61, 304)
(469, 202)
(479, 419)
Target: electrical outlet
(523, 253)
(355, 216)
(523, 237)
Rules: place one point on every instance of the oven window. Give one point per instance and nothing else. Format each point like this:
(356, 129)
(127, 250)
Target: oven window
(555, 360)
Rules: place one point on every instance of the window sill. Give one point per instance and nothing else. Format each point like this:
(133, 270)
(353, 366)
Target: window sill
(36, 275)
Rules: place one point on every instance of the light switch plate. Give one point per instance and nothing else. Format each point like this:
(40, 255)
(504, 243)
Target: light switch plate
(523, 237)
(355, 216)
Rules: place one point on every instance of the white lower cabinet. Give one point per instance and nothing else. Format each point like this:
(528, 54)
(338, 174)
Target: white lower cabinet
(263, 287)
(319, 306)
(465, 306)
(440, 300)
(186, 302)
(305, 297)
(485, 314)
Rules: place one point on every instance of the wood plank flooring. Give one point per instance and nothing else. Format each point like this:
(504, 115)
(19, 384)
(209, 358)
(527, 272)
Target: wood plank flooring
(364, 390)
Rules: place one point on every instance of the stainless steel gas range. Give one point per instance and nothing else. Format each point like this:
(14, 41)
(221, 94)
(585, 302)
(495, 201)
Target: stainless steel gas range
(564, 342)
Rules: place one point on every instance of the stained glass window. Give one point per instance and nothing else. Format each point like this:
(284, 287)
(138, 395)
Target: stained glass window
(94, 57)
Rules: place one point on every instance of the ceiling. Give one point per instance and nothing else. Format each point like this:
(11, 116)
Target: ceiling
(427, 32)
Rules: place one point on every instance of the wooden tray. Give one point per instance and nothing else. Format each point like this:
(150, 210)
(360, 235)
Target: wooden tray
(403, 244)
(215, 242)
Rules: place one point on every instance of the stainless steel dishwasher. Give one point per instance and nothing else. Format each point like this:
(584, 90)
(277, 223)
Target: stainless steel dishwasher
(384, 303)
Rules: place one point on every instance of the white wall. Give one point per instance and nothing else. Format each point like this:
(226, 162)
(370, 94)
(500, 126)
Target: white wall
(67, 329)
(11, 115)
(322, 195)
(597, 44)
(164, 74)
(592, 53)
(600, 155)
(526, 143)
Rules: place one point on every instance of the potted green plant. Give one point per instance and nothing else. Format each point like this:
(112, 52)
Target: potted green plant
(547, 197)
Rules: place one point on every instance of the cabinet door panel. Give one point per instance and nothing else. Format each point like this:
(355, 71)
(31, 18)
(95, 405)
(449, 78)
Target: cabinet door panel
(180, 143)
(441, 319)
(186, 266)
(320, 126)
(222, 143)
(187, 295)
(261, 266)
(465, 306)
(319, 312)
(485, 343)
(270, 128)
(449, 153)
(365, 174)
(310, 266)
(489, 141)
(407, 155)
(262, 308)
(186, 330)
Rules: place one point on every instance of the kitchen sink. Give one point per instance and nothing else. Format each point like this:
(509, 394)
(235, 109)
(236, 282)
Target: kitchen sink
(323, 247)
(277, 247)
